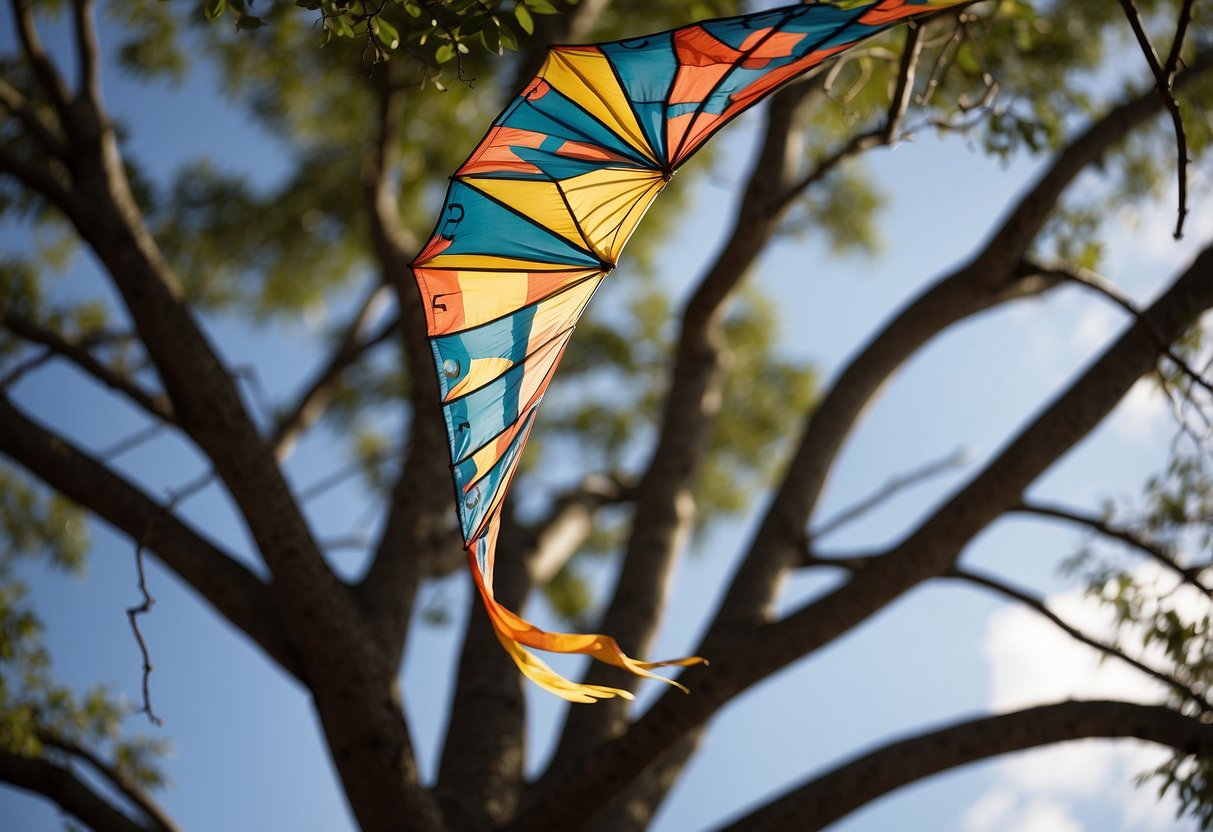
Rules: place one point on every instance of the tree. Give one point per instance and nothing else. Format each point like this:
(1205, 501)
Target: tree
(674, 432)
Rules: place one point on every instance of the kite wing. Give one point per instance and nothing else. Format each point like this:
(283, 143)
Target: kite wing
(538, 215)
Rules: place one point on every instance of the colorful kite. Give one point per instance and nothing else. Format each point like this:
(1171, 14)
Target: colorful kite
(539, 214)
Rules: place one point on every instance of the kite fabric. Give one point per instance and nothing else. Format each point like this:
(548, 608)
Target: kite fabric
(538, 215)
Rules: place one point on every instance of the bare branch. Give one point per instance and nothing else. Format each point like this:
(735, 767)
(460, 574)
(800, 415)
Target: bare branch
(902, 93)
(79, 354)
(68, 791)
(1177, 43)
(1091, 280)
(995, 274)
(819, 802)
(22, 368)
(12, 100)
(1102, 526)
(885, 134)
(312, 403)
(1001, 587)
(158, 819)
(235, 592)
(547, 544)
(1164, 78)
(890, 489)
(419, 531)
(35, 53)
(39, 181)
(88, 54)
(745, 651)
(132, 615)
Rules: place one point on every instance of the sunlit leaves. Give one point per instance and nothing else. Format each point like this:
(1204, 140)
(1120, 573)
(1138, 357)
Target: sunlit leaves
(767, 395)
(431, 33)
(36, 523)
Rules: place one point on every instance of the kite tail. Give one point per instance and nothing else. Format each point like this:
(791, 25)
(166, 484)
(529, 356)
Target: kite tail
(516, 634)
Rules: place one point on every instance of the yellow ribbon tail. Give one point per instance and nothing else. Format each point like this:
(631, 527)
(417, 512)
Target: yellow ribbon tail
(516, 633)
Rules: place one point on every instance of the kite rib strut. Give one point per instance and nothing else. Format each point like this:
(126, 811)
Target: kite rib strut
(539, 214)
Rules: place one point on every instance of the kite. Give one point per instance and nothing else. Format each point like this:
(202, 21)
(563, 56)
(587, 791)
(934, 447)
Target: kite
(537, 217)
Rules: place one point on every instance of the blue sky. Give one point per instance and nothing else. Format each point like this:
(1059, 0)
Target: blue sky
(247, 753)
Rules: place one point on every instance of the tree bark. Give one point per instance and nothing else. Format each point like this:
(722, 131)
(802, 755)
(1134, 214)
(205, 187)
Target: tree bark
(819, 802)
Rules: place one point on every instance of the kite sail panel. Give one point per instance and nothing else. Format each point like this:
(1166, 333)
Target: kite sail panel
(539, 214)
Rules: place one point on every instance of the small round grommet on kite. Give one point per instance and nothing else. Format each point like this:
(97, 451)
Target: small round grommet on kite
(473, 498)
(450, 368)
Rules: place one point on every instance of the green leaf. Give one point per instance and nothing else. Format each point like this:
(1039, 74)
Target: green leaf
(490, 36)
(214, 8)
(524, 19)
(541, 7)
(508, 39)
(249, 21)
(386, 32)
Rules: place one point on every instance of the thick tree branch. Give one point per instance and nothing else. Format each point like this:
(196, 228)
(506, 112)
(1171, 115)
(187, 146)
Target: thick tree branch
(665, 509)
(234, 591)
(820, 802)
(350, 673)
(80, 355)
(482, 790)
(995, 274)
(1001, 587)
(419, 530)
(1095, 282)
(69, 792)
(745, 653)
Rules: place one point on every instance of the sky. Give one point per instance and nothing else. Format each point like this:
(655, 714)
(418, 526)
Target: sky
(247, 753)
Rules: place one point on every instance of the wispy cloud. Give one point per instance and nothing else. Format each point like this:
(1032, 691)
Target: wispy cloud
(1058, 789)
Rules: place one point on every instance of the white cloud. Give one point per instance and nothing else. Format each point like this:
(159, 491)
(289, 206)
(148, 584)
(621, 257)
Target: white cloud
(1096, 325)
(1033, 662)
(1143, 415)
(1004, 811)
(990, 812)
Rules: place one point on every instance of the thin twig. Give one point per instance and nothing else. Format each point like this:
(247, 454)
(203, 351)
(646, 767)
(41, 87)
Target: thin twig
(1164, 80)
(886, 133)
(311, 403)
(1103, 527)
(29, 365)
(77, 351)
(144, 608)
(130, 442)
(1039, 607)
(132, 615)
(894, 486)
(335, 478)
(1096, 282)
